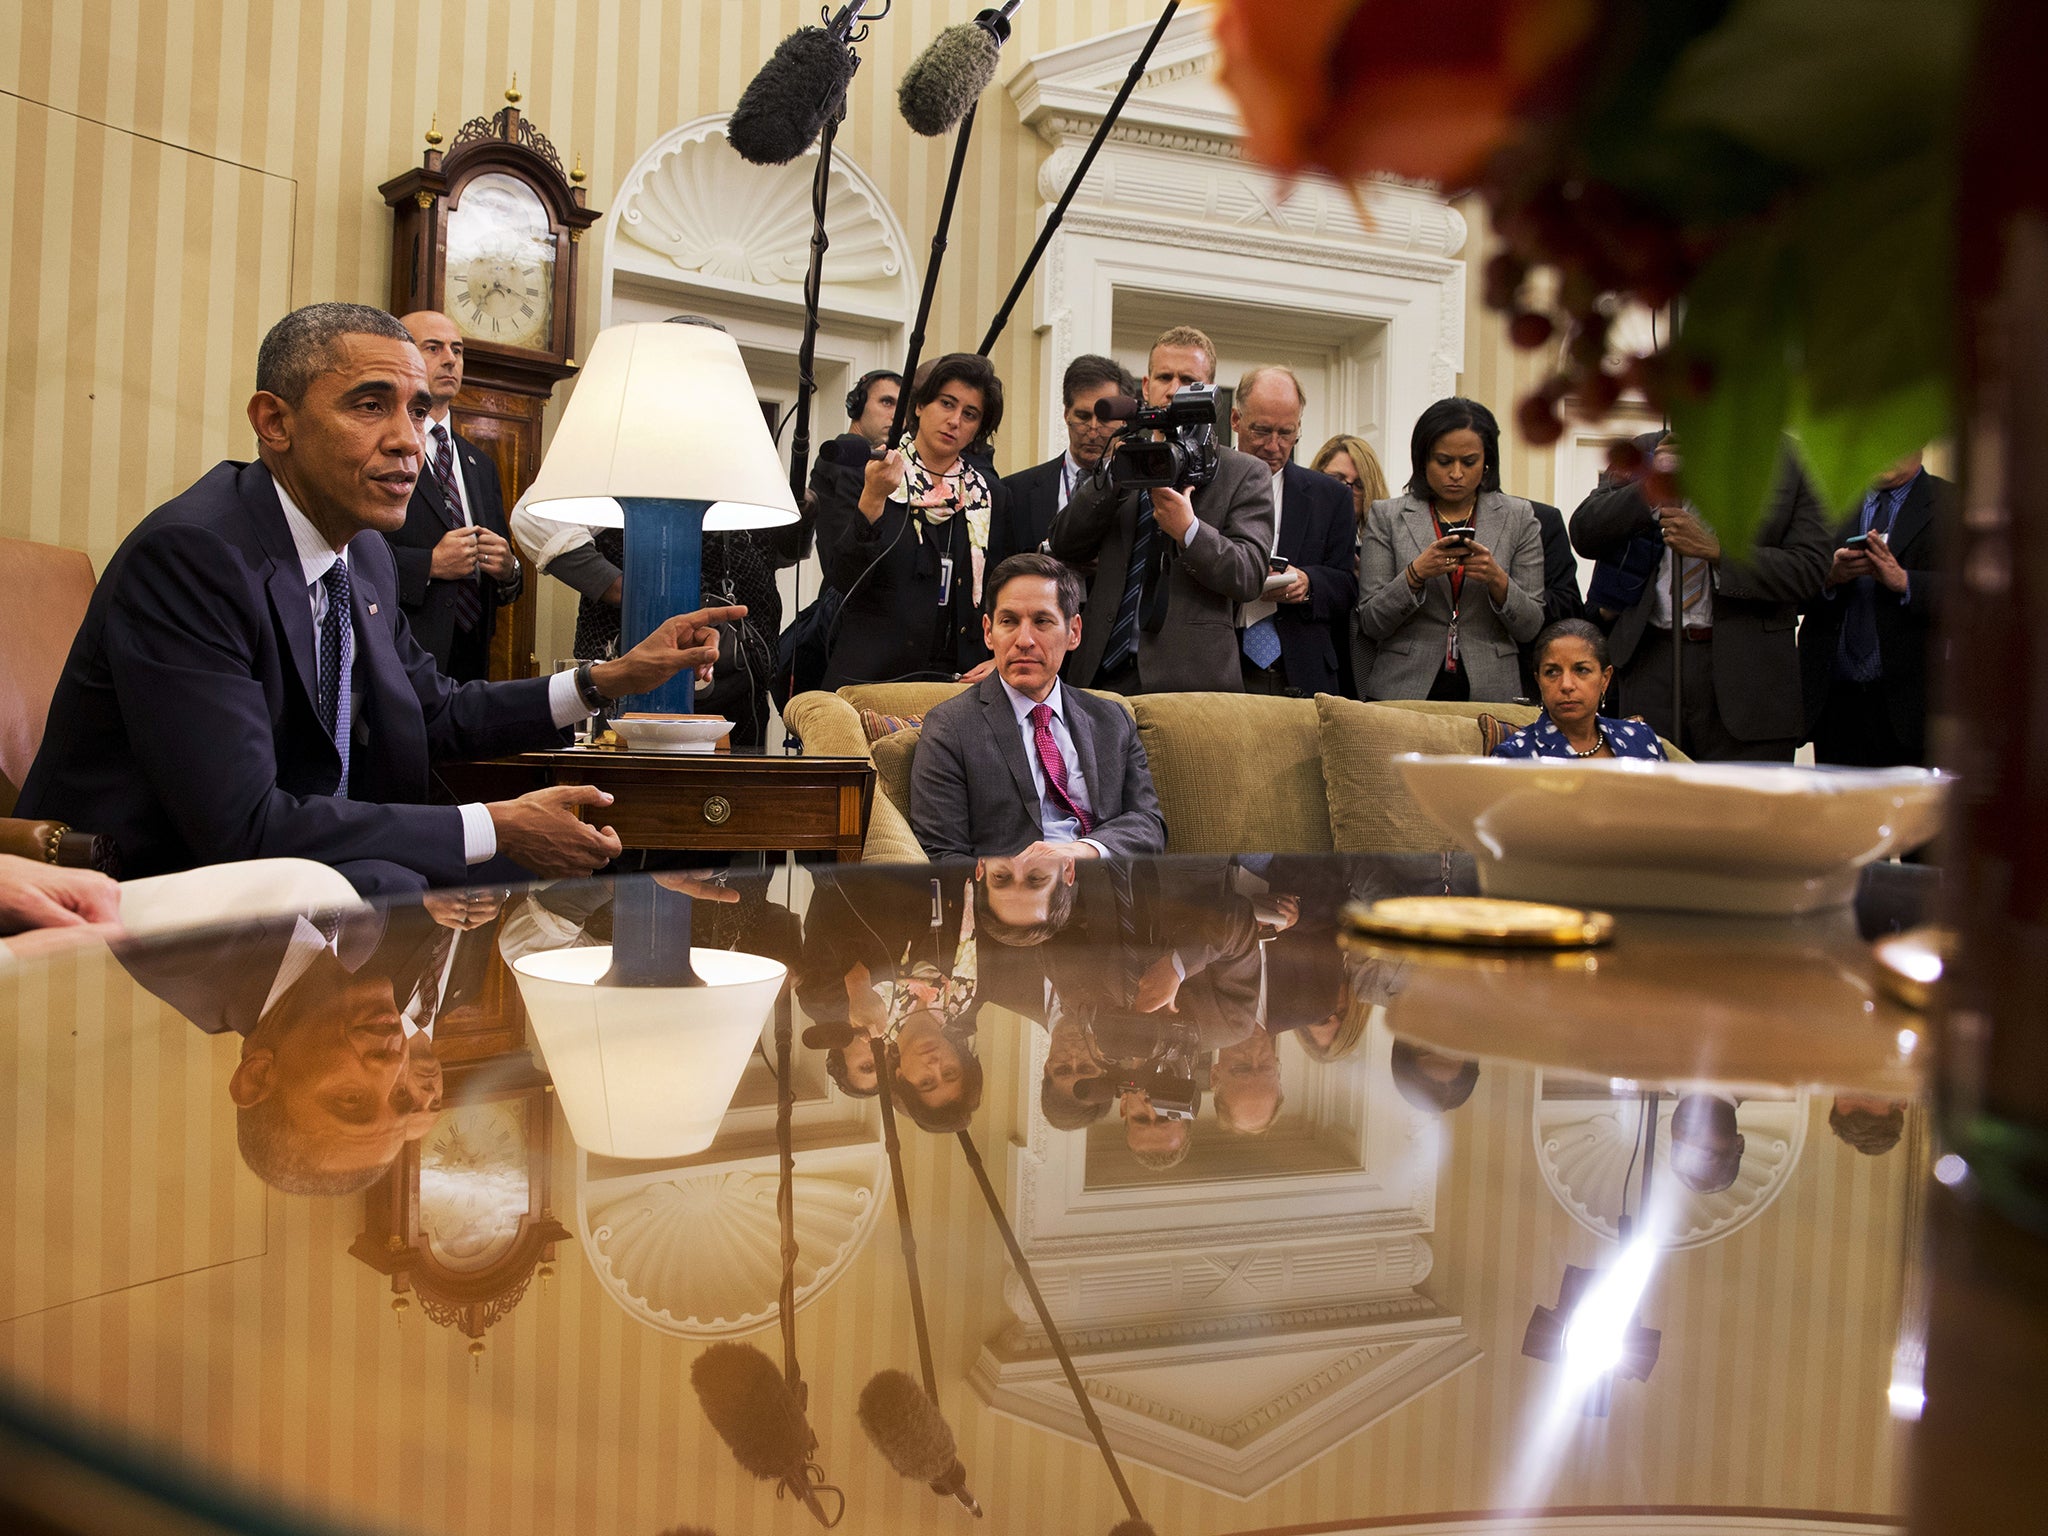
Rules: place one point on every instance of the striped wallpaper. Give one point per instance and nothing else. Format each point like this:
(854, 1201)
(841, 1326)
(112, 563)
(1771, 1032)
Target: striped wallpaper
(247, 1333)
(178, 173)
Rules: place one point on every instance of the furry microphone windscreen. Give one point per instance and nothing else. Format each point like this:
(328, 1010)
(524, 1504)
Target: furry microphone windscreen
(948, 78)
(752, 1408)
(1131, 1528)
(783, 111)
(907, 1427)
(829, 1037)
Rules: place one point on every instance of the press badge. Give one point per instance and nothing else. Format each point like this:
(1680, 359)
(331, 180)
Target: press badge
(945, 580)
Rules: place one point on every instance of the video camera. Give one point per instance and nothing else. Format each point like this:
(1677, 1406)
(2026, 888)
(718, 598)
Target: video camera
(1183, 458)
(1172, 1076)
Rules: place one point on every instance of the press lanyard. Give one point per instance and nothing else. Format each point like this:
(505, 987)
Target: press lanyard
(1457, 581)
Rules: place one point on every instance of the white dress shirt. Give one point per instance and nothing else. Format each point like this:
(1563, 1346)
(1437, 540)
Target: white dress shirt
(1660, 595)
(1053, 819)
(433, 452)
(1258, 608)
(316, 558)
(1071, 475)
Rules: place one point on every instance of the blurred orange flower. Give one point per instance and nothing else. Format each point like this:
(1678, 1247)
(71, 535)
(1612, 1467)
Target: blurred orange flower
(1356, 86)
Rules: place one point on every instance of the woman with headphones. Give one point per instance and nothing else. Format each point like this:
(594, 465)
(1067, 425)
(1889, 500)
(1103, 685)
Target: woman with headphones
(905, 542)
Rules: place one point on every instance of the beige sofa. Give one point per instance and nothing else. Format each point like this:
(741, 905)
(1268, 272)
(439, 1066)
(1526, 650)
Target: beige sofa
(1235, 773)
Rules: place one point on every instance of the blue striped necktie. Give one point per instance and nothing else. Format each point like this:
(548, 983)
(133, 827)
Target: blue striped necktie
(1123, 634)
(337, 653)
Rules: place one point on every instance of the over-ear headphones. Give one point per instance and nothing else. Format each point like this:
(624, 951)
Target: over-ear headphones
(857, 397)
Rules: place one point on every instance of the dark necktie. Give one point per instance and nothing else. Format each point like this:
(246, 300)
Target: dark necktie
(1122, 648)
(469, 603)
(337, 652)
(1056, 766)
(1859, 659)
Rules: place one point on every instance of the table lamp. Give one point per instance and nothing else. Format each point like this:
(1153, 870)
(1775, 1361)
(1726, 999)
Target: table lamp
(646, 1038)
(663, 437)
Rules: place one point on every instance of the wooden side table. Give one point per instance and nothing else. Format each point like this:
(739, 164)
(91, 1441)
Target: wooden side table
(740, 802)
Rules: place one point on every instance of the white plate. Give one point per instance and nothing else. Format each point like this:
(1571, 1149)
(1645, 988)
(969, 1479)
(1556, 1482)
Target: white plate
(1686, 837)
(686, 733)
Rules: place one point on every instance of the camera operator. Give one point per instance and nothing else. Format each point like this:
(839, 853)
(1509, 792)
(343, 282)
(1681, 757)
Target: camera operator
(908, 553)
(1167, 569)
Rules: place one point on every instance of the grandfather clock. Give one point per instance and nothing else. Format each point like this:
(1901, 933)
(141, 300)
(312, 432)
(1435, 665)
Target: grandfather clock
(488, 233)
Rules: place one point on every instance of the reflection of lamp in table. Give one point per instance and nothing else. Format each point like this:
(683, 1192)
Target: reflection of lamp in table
(664, 438)
(644, 1038)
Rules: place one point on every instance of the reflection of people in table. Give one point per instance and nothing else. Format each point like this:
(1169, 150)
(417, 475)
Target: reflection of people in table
(1870, 1123)
(330, 1086)
(337, 1013)
(1157, 1141)
(1432, 1081)
(938, 1078)
(1706, 1148)
(1069, 1060)
(1245, 1083)
(1025, 899)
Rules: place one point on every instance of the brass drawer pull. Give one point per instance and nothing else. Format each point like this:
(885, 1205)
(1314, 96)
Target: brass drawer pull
(718, 810)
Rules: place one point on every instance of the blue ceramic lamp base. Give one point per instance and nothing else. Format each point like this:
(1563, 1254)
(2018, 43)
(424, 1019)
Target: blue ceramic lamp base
(664, 576)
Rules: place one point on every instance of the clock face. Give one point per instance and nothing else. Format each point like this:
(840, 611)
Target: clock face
(501, 263)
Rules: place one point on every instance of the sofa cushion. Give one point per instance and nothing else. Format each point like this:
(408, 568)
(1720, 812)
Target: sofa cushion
(893, 755)
(1236, 773)
(1370, 808)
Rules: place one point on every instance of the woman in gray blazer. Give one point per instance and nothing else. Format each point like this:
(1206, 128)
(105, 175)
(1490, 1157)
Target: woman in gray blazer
(1450, 577)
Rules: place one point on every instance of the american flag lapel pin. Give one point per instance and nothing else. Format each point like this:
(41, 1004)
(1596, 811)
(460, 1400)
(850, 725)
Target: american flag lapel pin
(373, 608)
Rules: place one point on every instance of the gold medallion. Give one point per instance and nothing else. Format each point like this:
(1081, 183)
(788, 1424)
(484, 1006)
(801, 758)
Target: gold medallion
(1480, 921)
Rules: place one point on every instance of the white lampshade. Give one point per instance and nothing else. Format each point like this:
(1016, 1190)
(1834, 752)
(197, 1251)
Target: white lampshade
(646, 1072)
(667, 411)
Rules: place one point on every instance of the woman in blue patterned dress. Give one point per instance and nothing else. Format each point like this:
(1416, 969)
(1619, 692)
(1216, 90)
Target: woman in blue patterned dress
(1573, 675)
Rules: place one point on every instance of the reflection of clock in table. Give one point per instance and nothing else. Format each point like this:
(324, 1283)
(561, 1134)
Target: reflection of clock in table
(501, 262)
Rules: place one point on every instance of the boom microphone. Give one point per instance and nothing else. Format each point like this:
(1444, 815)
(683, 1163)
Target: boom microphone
(949, 76)
(1131, 1528)
(907, 1427)
(829, 1037)
(753, 1410)
(839, 451)
(786, 106)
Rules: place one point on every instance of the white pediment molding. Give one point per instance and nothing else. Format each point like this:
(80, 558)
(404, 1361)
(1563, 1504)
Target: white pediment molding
(1230, 1329)
(692, 216)
(1232, 1409)
(1361, 289)
(1180, 117)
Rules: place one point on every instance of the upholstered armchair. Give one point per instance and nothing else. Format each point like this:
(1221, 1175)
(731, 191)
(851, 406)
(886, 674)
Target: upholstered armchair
(43, 595)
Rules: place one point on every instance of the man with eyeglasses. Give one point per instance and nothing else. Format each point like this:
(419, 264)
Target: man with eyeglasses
(1287, 642)
(1166, 568)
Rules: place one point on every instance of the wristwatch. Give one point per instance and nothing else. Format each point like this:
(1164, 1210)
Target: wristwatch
(586, 690)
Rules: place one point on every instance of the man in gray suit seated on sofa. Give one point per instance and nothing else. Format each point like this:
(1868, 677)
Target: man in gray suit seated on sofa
(1020, 764)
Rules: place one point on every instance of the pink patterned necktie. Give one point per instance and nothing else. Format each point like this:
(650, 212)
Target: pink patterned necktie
(1055, 765)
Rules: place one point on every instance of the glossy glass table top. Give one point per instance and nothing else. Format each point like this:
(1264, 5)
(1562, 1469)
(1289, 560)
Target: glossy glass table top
(418, 1218)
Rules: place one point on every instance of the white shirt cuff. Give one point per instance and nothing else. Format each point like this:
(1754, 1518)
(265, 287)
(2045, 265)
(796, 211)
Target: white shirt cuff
(1101, 851)
(479, 834)
(565, 704)
(1187, 539)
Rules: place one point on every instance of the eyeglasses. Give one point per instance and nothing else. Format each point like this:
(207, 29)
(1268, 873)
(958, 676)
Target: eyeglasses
(1276, 434)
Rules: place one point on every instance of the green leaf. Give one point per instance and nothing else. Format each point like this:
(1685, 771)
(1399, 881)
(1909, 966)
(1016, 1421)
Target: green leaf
(1876, 289)
(1827, 84)
(1844, 450)
(1739, 324)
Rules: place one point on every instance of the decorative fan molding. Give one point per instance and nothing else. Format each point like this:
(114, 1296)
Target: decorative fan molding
(696, 1252)
(693, 211)
(1584, 1146)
